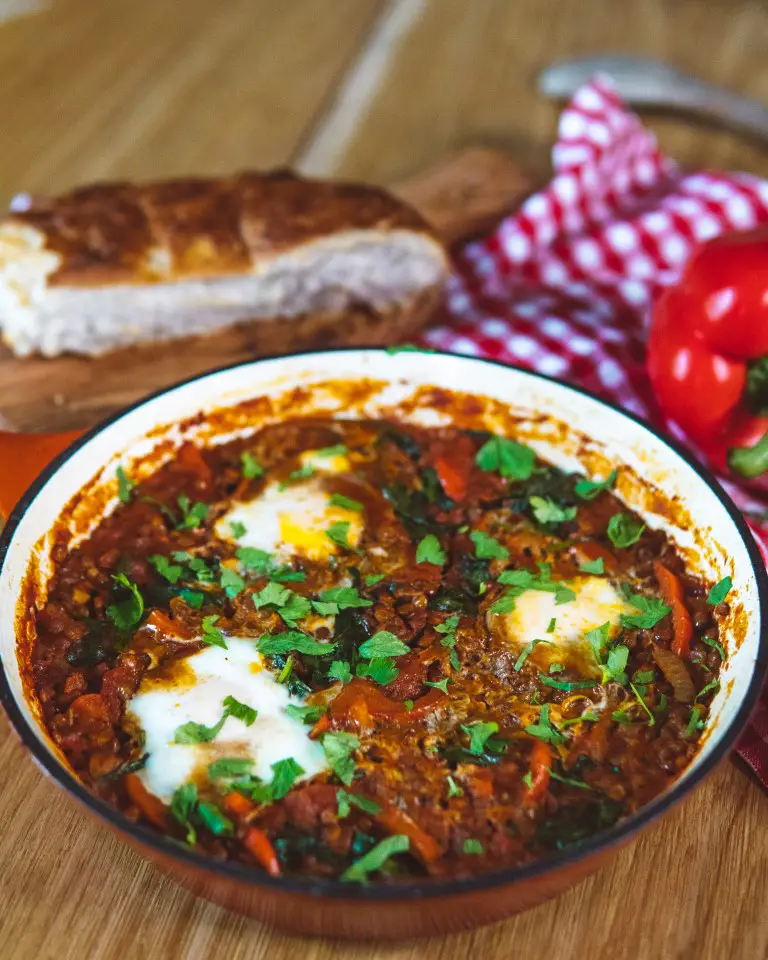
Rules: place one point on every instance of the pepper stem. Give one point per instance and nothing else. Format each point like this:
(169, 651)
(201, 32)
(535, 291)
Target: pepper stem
(750, 461)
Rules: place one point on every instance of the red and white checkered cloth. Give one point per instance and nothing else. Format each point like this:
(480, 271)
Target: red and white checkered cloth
(565, 286)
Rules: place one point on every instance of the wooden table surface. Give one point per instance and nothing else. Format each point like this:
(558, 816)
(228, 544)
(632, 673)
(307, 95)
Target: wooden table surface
(377, 90)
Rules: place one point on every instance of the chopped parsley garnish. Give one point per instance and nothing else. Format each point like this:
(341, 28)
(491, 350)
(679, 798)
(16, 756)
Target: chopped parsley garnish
(257, 561)
(383, 644)
(381, 670)
(556, 668)
(303, 473)
(448, 629)
(338, 749)
(346, 503)
(546, 511)
(291, 606)
(473, 847)
(339, 670)
(552, 625)
(639, 697)
(339, 598)
(284, 775)
(569, 780)
(593, 566)
(172, 572)
(192, 515)
(720, 591)
(346, 801)
(454, 790)
(211, 633)
(564, 684)
(292, 641)
(231, 582)
(441, 685)
(526, 652)
(589, 489)
(307, 713)
(192, 732)
(430, 551)
(250, 466)
(338, 450)
(714, 645)
(125, 486)
(373, 578)
(511, 460)
(285, 674)
(695, 723)
(238, 529)
(712, 687)
(193, 598)
(623, 530)
(521, 580)
(652, 609)
(614, 665)
(183, 803)
(376, 858)
(198, 568)
(126, 614)
(479, 733)
(544, 729)
(338, 533)
(408, 348)
(487, 547)
(229, 767)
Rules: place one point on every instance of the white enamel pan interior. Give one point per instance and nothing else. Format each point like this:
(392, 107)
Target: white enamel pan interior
(716, 541)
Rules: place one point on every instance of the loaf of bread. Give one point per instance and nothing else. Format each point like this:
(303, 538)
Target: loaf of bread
(306, 263)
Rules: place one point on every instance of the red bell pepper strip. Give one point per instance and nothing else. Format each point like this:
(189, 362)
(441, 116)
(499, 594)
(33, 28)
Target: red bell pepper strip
(259, 844)
(452, 463)
(708, 351)
(541, 762)
(672, 591)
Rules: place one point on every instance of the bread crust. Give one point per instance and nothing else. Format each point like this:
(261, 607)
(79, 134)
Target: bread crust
(174, 230)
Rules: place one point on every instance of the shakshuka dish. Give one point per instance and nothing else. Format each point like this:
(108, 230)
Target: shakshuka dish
(376, 652)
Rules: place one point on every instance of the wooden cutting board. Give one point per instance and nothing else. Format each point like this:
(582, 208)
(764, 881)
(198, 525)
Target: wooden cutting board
(460, 196)
(692, 886)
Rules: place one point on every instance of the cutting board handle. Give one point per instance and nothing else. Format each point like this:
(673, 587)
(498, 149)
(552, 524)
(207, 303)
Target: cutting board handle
(24, 456)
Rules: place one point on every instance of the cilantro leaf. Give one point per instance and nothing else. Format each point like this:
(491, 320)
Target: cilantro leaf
(719, 592)
(570, 781)
(526, 652)
(255, 560)
(192, 515)
(454, 790)
(292, 641)
(307, 713)
(616, 664)
(381, 670)
(505, 603)
(238, 529)
(695, 723)
(211, 634)
(338, 450)
(338, 749)
(250, 466)
(408, 348)
(714, 645)
(522, 579)
(291, 606)
(430, 551)
(193, 598)
(183, 803)
(593, 566)
(552, 625)
(126, 614)
(172, 572)
(510, 459)
(340, 598)
(373, 578)
(565, 684)
(546, 511)
(448, 629)
(473, 847)
(228, 767)
(441, 685)
(376, 858)
(125, 486)
(598, 639)
(643, 704)
(241, 711)
(231, 582)
(214, 820)
(338, 533)
(652, 609)
(478, 734)
(712, 686)
(339, 670)
(303, 473)
(544, 729)
(383, 644)
(623, 530)
(348, 800)
(487, 547)
(192, 732)
(589, 489)
(197, 566)
(346, 503)
(284, 775)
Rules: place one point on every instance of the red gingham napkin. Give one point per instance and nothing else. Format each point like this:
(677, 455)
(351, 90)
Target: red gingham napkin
(565, 286)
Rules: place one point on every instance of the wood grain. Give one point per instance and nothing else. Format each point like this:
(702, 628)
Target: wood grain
(466, 74)
(93, 89)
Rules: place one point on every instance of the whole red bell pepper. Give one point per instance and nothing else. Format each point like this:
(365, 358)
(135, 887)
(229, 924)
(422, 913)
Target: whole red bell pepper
(708, 352)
